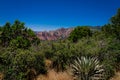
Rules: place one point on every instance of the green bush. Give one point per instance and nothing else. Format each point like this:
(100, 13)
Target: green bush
(80, 32)
(18, 64)
(17, 35)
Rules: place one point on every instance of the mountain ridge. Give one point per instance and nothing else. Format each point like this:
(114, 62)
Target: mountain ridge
(61, 33)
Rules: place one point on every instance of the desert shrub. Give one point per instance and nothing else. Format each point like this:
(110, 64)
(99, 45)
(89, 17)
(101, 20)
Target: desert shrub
(17, 35)
(113, 28)
(80, 32)
(18, 64)
(62, 56)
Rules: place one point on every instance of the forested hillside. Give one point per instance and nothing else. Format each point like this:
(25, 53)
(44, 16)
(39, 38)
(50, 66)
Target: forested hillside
(86, 54)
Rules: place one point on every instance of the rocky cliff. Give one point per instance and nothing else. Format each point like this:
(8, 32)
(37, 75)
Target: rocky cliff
(54, 35)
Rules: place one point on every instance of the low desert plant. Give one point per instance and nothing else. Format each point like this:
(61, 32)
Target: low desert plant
(88, 69)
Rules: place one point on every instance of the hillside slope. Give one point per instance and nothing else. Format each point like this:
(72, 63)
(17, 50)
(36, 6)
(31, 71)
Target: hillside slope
(54, 35)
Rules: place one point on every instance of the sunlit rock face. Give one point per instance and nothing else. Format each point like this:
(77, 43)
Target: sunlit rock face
(54, 35)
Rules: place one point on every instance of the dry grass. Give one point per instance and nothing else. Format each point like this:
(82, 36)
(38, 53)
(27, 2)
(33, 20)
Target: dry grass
(116, 77)
(48, 63)
(66, 75)
(53, 75)
(1, 76)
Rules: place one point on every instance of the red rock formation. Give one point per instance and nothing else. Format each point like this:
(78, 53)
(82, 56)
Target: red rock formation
(55, 35)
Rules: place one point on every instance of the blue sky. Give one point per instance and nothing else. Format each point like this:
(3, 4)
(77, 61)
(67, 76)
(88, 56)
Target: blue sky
(52, 14)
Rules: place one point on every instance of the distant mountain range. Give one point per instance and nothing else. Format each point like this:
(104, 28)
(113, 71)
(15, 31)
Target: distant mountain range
(61, 33)
(55, 34)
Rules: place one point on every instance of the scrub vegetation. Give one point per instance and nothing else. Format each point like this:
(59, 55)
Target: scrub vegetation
(86, 54)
